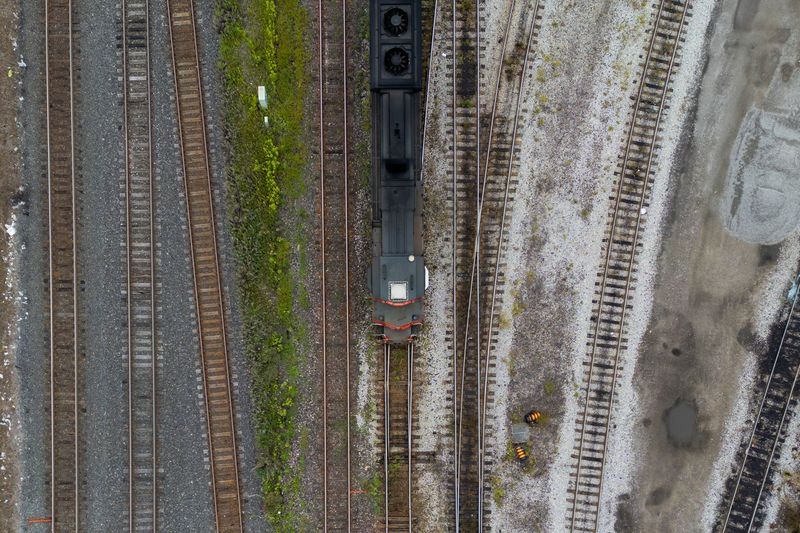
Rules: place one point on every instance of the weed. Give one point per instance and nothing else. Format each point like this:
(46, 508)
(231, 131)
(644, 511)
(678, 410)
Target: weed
(518, 307)
(373, 486)
(542, 98)
(263, 43)
(504, 321)
(529, 466)
(498, 494)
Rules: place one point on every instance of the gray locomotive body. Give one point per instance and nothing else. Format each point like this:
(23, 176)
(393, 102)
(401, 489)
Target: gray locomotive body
(398, 277)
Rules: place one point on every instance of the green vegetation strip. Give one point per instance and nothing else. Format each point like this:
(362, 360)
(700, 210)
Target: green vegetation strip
(262, 43)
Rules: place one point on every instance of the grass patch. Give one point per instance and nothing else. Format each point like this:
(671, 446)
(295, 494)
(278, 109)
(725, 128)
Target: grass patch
(498, 491)
(263, 43)
(373, 486)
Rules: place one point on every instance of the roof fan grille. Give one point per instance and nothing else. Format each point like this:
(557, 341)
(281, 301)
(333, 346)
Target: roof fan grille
(396, 61)
(395, 21)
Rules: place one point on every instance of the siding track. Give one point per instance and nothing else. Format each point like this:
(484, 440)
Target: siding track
(744, 511)
(141, 285)
(63, 283)
(205, 267)
(616, 277)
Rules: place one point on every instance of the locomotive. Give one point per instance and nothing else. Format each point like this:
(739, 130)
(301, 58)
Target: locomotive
(398, 277)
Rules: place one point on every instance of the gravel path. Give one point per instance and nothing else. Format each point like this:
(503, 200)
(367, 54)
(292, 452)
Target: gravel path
(100, 160)
(11, 209)
(32, 364)
(573, 104)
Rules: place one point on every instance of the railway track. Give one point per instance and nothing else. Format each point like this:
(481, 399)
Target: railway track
(398, 454)
(607, 339)
(205, 267)
(334, 213)
(754, 477)
(465, 201)
(140, 262)
(63, 279)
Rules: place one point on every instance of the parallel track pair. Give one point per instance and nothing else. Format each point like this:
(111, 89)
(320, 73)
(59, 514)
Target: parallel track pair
(64, 276)
(140, 268)
(483, 172)
(209, 303)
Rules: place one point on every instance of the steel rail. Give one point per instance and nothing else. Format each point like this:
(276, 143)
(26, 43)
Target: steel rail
(454, 232)
(346, 250)
(324, 317)
(409, 410)
(128, 258)
(482, 448)
(478, 204)
(629, 141)
(386, 427)
(428, 90)
(755, 425)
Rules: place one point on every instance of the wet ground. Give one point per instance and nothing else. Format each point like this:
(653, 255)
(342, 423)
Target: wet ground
(722, 267)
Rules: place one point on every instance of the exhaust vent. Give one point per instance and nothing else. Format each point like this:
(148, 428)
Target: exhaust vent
(396, 60)
(395, 21)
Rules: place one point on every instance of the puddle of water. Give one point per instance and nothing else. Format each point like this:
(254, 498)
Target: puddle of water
(681, 421)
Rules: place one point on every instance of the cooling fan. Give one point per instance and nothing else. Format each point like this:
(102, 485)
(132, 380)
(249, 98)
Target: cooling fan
(395, 21)
(396, 61)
